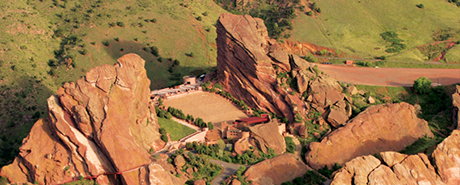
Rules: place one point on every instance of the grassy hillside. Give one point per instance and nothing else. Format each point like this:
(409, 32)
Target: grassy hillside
(44, 43)
(354, 27)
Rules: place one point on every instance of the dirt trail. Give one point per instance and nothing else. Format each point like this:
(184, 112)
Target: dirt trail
(389, 76)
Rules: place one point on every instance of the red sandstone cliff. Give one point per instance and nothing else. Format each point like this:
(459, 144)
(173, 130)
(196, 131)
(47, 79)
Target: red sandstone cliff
(387, 127)
(443, 167)
(101, 124)
(248, 62)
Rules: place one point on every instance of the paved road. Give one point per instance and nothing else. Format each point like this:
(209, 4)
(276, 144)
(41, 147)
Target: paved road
(389, 76)
(229, 169)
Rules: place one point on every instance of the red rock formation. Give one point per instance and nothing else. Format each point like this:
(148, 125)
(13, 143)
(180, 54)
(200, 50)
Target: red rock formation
(388, 127)
(406, 169)
(101, 124)
(266, 136)
(248, 65)
(277, 170)
(243, 68)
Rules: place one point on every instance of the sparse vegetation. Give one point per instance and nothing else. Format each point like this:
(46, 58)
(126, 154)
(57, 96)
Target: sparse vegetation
(290, 145)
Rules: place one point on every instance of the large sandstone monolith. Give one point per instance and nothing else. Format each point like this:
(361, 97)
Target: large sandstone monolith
(387, 127)
(257, 70)
(102, 124)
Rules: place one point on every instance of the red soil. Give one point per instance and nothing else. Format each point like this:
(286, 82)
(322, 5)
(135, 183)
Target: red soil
(389, 76)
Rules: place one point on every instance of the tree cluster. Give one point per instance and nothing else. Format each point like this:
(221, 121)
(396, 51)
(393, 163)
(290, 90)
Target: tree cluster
(217, 152)
(396, 43)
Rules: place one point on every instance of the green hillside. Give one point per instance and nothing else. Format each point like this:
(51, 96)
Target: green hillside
(44, 43)
(354, 27)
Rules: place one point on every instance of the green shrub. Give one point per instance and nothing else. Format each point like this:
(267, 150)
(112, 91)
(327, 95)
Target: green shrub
(84, 51)
(199, 18)
(105, 43)
(309, 13)
(290, 145)
(422, 85)
(121, 24)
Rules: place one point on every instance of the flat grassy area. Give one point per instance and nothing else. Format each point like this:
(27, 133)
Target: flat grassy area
(176, 130)
(36, 37)
(208, 106)
(354, 27)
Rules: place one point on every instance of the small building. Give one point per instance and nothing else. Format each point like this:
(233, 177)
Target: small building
(349, 62)
(251, 121)
(189, 80)
(233, 133)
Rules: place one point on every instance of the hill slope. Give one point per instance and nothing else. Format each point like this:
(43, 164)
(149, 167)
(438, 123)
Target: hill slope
(354, 27)
(46, 43)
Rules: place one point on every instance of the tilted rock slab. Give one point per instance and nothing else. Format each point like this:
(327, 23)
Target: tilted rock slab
(387, 127)
(406, 169)
(246, 57)
(243, 66)
(100, 125)
(277, 170)
(266, 136)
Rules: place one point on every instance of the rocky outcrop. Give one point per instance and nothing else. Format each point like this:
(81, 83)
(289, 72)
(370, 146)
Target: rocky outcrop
(397, 168)
(387, 127)
(277, 170)
(257, 70)
(244, 68)
(266, 136)
(101, 125)
(456, 107)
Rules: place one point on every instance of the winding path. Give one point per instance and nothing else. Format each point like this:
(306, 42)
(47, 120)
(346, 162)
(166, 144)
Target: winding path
(229, 169)
(389, 76)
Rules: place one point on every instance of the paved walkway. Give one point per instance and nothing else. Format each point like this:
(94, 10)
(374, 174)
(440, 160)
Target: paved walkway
(389, 76)
(229, 169)
(186, 124)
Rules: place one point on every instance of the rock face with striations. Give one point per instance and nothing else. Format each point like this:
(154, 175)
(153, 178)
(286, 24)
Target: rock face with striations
(256, 69)
(399, 168)
(100, 125)
(387, 127)
(277, 170)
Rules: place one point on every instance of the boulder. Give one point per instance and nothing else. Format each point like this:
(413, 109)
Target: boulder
(93, 127)
(443, 167)
(277, 170)
(337, 117)
(299, 63)
(371, 100)
(242, 145)
(199, 182)
(179, 161)
(266, 136)
(281, 58)
(387, 127)
(352, 90)
(446, 158)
